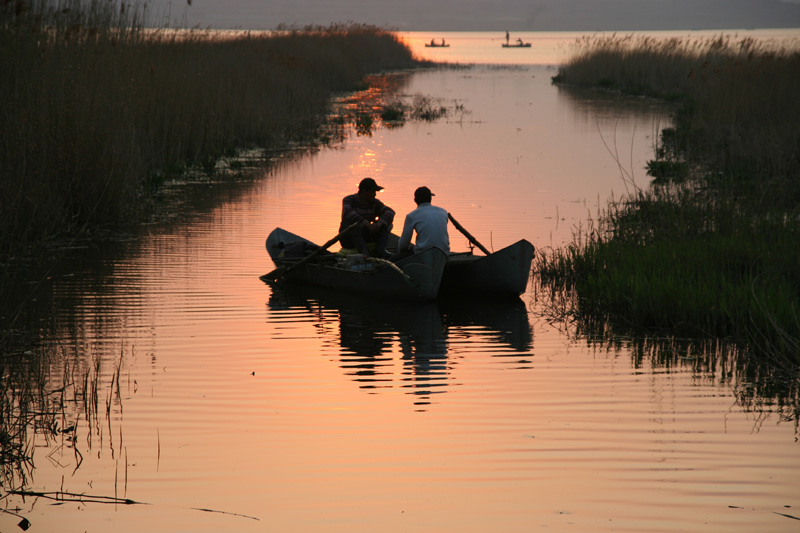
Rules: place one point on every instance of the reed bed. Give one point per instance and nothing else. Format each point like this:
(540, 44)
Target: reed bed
(739, 96)
(98, 108)
(52, 406)
(709, 249)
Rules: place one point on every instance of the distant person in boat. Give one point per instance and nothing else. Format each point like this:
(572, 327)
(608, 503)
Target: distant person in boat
(507, 37)
(430, 224)
(519, 42)
(433, 43)
(374, 218)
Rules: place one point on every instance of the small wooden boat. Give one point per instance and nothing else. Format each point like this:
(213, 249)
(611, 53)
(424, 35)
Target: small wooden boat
(417, 277)
(500, 274)
(516, 45)
(437, 45)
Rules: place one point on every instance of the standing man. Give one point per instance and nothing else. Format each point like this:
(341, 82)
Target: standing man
(430, 224)
(373, 216)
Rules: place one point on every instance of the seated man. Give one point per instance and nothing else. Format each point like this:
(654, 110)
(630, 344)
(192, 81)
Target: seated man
(430, 224)
(373, 216)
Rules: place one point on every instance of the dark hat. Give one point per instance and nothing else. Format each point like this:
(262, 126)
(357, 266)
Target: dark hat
(368, 184)
(423, 194)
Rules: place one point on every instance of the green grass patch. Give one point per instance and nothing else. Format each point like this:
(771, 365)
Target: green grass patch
(710, 249)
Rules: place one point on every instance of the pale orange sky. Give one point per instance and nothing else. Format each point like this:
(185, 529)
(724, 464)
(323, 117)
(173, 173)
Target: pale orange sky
(485, 15)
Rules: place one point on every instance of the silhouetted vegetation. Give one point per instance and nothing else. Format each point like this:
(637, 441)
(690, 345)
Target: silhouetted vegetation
(98, 109)
(710, 248)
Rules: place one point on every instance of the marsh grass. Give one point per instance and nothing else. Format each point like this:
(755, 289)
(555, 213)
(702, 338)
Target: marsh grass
(98, 109)
(52, 405)
(710, 249)
(381, 103)
(738, 96)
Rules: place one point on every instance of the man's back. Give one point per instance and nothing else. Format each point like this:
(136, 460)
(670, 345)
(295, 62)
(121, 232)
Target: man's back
(430, 223)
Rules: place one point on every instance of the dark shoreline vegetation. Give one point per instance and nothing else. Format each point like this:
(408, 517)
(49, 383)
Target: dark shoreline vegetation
(99, 110)
(710, 249)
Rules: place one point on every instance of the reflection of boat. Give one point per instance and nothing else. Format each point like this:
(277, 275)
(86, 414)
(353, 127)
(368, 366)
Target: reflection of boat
(518, 44)
(500, 274)
(414, 278)
(369, 326)
(429, 337)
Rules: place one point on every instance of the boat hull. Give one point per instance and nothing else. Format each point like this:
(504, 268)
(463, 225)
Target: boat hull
(503, 273)
(415, 278)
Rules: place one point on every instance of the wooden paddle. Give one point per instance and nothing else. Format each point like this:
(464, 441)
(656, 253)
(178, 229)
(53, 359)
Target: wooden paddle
(468, 235)
(283, 270)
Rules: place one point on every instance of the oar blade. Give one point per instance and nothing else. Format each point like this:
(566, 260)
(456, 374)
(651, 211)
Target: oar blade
(271, 277)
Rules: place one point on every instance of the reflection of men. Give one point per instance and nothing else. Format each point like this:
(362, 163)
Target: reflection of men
(430, 224)
(373, 216)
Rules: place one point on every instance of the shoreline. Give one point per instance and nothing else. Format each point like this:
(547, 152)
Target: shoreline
(709, 249)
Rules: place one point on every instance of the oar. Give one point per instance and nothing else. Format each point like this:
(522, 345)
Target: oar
(468, 235)
(283, 270)
(391, 265)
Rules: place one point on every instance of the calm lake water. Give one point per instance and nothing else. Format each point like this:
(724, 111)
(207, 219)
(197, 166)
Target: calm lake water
(184, 383)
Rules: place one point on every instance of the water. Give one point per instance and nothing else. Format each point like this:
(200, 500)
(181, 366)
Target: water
(553, 47)
(225, 404)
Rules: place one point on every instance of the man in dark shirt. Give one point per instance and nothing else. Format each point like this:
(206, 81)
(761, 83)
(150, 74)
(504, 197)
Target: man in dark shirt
(373, 216)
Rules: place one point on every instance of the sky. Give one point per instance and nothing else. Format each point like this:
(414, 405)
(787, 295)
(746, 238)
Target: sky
(484, 15)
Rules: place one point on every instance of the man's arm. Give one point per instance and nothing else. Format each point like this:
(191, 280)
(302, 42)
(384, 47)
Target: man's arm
(350, 214)
(405, 238)
(385, 213)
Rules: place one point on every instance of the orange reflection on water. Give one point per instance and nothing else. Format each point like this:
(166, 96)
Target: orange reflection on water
(290, 411)
(370, 164)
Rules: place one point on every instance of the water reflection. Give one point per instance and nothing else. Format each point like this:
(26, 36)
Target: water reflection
(611, 113)
(761, 387)
(172, 324)
(427, 340)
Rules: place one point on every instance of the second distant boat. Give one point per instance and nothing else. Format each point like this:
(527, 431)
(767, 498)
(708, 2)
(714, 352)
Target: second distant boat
(518, 44)
(434, 44)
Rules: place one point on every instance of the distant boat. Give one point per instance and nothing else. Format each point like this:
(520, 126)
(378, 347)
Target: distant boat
(518, 44)
(434, 44)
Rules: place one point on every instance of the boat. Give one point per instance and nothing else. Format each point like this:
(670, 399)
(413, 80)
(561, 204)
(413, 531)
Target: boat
(421, 277)
(299, 260)
(499, 274)
(516, 45)
(434, 44)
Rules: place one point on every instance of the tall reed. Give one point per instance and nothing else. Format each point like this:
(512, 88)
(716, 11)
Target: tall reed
(715, 253)
(740, 95)
(97, 107)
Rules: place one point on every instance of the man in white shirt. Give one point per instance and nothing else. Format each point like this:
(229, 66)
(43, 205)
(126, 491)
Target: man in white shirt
(430, 224)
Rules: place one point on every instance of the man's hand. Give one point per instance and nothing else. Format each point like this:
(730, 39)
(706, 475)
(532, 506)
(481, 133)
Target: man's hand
(375, 226)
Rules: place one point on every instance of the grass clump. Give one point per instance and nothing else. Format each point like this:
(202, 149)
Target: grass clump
(710, 249)
(98, 108)
(738, 97)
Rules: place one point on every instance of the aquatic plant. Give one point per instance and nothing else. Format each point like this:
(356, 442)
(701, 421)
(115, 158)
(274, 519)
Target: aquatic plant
(709, 250)
(738, 95)
(97, 102)
(393, 112)
(364, 123)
